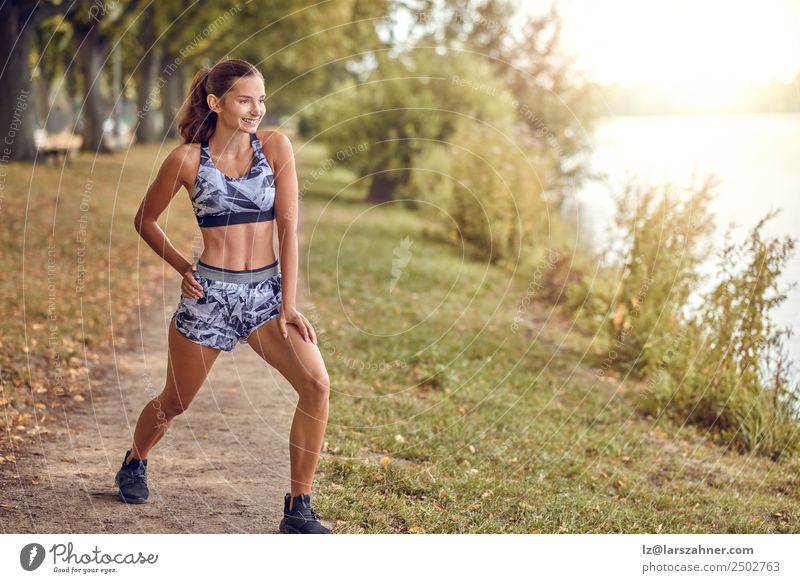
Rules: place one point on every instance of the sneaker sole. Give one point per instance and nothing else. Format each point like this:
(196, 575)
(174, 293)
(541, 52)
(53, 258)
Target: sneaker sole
(286, 529)
(121, 497)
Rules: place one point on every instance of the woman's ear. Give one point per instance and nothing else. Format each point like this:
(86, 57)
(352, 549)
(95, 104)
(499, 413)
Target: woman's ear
(213, 102)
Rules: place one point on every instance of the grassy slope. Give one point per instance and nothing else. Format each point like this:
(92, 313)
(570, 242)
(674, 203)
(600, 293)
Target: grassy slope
(499, 431)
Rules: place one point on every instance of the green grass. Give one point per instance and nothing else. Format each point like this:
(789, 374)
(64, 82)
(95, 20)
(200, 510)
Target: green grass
(500, 431)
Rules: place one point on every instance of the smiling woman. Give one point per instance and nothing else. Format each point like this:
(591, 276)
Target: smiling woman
(242, 184)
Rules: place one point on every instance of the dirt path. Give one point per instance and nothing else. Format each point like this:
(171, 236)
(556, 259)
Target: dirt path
(222, 467)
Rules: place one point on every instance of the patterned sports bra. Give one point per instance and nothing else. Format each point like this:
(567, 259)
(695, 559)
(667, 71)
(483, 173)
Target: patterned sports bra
(219, 200)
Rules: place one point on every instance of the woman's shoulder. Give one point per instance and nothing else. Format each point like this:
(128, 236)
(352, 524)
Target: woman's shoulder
(276, 146)
(185, 160)
(275, 139)
(186, 153)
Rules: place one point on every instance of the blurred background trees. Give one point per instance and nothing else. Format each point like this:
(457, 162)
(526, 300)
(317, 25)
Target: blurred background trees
(114, 73)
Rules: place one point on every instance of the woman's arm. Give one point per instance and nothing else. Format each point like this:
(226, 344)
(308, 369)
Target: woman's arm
(286, 205)
(286, 208)
(157, 198)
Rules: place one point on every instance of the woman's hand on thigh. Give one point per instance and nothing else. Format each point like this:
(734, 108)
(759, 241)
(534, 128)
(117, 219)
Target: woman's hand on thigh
(290, 315)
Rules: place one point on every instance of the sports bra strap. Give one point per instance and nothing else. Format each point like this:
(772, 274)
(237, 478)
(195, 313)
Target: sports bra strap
(256, 143)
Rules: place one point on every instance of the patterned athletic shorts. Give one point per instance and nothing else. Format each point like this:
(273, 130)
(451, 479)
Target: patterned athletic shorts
(234, 303)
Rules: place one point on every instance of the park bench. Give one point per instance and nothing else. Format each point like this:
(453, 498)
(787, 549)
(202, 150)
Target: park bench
(53, 146)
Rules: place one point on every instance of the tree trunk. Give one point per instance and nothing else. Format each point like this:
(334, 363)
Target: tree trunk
(147, 95)
(172, 96)
(382, 187)
(91, 54)
(118, 103)
(17, 99)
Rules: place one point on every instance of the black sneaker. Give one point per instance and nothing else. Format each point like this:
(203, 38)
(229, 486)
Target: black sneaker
(302, 519)
(131, 480)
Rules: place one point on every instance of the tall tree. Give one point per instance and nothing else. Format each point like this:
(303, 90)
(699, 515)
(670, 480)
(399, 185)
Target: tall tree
(160, 51)
(398, 108)
(524, 50)
(18, 22)
(298, 45)
(96, 27)
(149, 30)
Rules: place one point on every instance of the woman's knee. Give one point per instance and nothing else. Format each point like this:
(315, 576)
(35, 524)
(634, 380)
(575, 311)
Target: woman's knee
(316, 386)
(170, 407)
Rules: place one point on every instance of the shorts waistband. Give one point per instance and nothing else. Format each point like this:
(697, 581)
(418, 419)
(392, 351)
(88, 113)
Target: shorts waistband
(237, 276)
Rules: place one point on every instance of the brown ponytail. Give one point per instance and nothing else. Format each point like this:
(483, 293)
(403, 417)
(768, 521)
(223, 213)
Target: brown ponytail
(196, 121)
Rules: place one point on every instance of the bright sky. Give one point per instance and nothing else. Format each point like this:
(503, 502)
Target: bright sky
(681, 42)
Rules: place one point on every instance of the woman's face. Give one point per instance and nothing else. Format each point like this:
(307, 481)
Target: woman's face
(243, 106)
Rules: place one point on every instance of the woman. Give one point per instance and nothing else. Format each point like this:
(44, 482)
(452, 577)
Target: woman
(235, 292)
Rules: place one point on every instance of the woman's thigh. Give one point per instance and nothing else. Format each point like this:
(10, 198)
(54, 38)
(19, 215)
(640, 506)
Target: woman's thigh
(300, 362)
(188, 365)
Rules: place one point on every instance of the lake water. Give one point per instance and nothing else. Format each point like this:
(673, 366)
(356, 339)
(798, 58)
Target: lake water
(756, 158)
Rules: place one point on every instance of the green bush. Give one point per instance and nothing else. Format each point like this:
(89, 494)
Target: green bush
(380, 127)
(742, 379)
(487, 185)
(734, 376)
(578, 282)
(659, 241)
